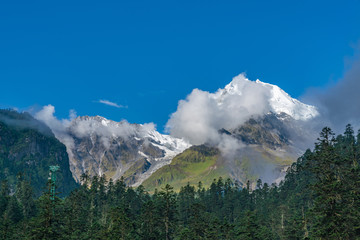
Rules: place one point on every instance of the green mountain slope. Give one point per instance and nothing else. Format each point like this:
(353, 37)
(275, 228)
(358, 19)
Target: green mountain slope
(198, 163)
(28, 147)
(264, 152)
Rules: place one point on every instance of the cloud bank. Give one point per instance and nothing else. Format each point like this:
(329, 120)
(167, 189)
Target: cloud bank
(339, 104)
(108, 130)
(66, 129)
(199, 117)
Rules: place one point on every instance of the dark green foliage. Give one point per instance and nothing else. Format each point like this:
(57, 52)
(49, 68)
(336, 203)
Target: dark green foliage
(318, 199)
(48, 222)
(27, 149)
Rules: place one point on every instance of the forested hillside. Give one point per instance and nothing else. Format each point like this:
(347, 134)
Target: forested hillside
(27, 149)
(318, 199)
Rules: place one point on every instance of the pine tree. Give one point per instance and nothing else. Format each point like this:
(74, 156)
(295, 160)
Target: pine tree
(5, 224)
(121, 225)
(198, 221)
(168, 209)
(47, 225)
(350, 179)
(248, 228)
(149, 222)
(24, 194)
(76, 210)
(4, 196)
(186, 199)
(328, 222)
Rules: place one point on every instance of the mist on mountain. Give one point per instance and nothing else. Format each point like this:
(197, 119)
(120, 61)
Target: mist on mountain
(339, 102)
(202, 114)
(101, 146)
(23, 121)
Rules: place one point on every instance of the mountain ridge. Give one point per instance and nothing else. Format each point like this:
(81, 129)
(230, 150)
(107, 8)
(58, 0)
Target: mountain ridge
(102, 146)
(265, 153)
(279, 100)
(254, 143)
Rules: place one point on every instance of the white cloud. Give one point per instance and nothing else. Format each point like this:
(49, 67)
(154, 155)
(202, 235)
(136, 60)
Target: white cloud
(113, 104)
(199, 117)
(46, 114)
(85, 126)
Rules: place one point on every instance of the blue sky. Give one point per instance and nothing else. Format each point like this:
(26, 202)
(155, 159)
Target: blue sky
(147, 55)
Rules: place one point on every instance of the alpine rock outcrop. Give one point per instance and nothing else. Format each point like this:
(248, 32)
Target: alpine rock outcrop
(261, 131)
(257, 130)
(115, 149)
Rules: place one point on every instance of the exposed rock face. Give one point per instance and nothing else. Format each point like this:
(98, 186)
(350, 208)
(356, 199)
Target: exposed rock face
(28, 148)
(256, 127)
(269, 131)
(271, 145)
(119, 149)
(116, 149)
(265, 150)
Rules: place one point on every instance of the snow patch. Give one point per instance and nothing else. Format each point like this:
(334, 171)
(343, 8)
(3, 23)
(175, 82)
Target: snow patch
(279, 101)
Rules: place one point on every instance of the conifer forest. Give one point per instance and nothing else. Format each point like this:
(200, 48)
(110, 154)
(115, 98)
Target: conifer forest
(319, 198)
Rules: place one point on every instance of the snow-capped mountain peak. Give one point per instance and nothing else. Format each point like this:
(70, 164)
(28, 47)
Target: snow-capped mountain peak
(279, 101)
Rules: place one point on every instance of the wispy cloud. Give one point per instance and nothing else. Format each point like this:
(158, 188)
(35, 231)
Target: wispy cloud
(113, 104)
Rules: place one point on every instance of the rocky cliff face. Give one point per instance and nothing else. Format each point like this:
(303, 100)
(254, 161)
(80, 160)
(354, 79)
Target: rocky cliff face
(256, 129)
(263, 150)
(117, 149)
(28, 147)
(270, 146)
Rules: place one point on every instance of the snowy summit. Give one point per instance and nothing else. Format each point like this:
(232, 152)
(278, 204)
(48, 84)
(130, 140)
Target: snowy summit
(279, 101)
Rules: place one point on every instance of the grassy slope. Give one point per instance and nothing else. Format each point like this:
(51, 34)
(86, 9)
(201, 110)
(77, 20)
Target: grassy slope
(201, 163)
(198, 163)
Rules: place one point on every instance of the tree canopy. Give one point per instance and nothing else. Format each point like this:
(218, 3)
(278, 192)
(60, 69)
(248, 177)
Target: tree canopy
(319, 198)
